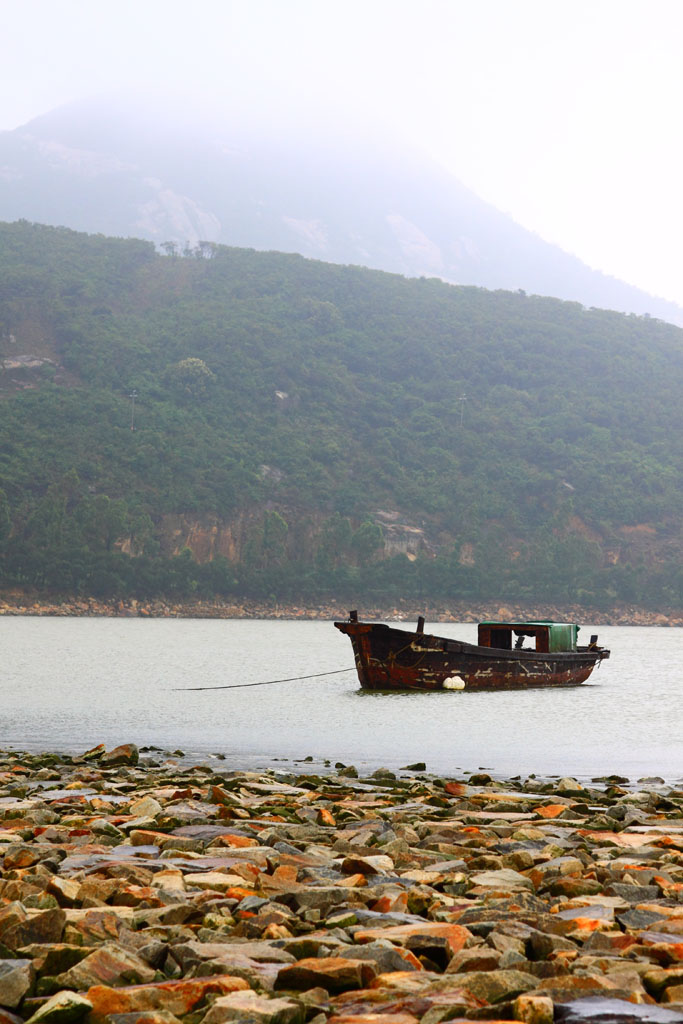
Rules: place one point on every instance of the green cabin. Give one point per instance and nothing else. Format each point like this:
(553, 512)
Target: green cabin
(544, 636)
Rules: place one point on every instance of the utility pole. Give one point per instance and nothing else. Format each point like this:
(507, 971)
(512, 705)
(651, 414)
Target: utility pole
(133, 396)
(462, 400)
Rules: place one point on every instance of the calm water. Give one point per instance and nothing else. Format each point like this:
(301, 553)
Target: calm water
(68, 684)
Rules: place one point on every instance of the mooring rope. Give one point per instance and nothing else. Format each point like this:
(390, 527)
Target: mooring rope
(266, 682)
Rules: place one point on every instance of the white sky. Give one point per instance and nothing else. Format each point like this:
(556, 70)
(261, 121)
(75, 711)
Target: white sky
(565, 114)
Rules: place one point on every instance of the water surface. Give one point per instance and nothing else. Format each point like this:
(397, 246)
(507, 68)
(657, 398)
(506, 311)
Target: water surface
(69, 683)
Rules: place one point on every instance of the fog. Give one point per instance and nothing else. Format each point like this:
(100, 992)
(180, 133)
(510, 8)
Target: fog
(562, 114)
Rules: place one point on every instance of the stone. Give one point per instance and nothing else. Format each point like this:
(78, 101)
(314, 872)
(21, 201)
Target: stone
(251, 1008)
(393, 894)
(144, 1017)
(533, 1009)
(53, 958)
(657, 981)
(178, 997)
(16, 978)
(23, 929)
(219, 881)
(455, 935)
(11, 917)
(673, 994)
(542, 944)
(568, 787)
(95, 753)
(7, 1017)
(127, 753)
(110, 964)
(569, 987)
(188, 954)
(385, 958)
(615, 1011)
(334, 974)
(370, 865)
(478, 958)
(62, 1008)
(496, 986)
(505, 879)
(20, 857)
(147, 807)
(376, 1018)
(65, 890)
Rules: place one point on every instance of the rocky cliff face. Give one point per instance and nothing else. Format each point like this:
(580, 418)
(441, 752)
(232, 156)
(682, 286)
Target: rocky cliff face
(208, 537)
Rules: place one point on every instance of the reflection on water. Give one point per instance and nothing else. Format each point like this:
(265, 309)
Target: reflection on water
(71, 683)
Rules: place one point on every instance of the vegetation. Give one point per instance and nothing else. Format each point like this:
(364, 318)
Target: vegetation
(315, 418)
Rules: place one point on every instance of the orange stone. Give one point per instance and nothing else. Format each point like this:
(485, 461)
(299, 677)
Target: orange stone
(237, 892)
(145, 837)
(550, 810)
(356, 881)
(286, 873)
(670, 841)
(24, 857)
(410, 958)
(397, 904)
(228, 839)
(178, 997)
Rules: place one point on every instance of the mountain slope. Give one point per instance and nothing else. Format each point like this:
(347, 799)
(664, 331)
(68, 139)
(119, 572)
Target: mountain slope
(330, 196)
(302, 429)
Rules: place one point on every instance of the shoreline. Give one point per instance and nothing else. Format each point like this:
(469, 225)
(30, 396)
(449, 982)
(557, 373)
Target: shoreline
(18, 604)
(327, 766)
(137, 885)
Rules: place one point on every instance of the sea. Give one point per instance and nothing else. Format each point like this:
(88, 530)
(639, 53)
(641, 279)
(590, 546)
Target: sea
(186, 687)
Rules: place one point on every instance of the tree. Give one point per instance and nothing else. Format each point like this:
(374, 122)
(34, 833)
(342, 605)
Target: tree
(367, 540)
(190, 378)
(5, 520)
(275, 531)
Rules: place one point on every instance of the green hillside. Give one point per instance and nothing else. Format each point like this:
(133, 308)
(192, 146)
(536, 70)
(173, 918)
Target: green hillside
(301, 432)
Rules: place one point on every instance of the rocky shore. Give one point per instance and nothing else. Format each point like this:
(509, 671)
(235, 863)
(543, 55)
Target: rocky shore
(138, 889)
(18, 603)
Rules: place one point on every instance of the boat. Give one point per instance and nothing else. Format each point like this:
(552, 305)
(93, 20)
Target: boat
(388, 658)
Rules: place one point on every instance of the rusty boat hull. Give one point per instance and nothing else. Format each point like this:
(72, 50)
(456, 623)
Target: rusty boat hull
(396, 659)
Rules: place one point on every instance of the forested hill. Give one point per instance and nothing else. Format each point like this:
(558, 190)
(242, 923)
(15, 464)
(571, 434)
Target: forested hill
(306, 430)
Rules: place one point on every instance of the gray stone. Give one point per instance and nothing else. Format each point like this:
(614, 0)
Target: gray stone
(110, 964)
(62, 1008)
(16, 978)
(496, 986)
(250, 1008)
(505, 879)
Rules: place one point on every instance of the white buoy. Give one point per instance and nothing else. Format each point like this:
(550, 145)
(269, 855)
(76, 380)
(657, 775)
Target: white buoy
(454, 683)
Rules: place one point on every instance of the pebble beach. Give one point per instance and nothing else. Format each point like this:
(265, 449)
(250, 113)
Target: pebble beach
(138, 888)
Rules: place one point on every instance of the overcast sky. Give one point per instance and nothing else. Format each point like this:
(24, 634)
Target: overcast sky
(565, 114)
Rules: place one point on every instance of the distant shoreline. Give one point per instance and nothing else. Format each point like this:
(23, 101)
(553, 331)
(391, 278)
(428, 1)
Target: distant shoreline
(17, 604)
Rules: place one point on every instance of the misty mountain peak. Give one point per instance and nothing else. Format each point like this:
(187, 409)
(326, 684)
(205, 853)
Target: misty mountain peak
(273, 182)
